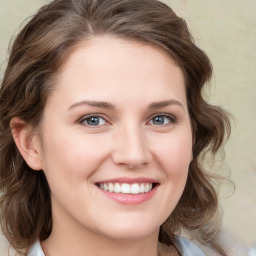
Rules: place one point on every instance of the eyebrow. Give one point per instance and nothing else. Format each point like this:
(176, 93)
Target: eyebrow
(107, 105)
(98, 104)
(165, 103)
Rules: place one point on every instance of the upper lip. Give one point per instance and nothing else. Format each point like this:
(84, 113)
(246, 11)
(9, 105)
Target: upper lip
(129, 180)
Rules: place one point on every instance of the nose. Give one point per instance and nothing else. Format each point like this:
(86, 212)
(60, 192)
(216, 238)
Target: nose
(131, 149)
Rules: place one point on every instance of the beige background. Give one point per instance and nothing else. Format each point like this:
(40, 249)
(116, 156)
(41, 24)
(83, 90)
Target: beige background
(226, 30)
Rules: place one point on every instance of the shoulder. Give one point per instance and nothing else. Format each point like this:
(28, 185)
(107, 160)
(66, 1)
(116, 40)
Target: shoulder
(36, 250)
(222, 241)
(187, 248)
(183, 245)
(231, 247)
(192, 248)
(5, 248)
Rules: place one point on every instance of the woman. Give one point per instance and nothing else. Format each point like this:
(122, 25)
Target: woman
(104, 130)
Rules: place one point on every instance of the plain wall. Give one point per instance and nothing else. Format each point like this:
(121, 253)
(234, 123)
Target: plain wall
(226, 30)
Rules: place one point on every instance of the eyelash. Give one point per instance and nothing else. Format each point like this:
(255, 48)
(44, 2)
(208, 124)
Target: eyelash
(172, 119)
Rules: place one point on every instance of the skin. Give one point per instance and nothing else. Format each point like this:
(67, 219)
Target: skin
(127, 142)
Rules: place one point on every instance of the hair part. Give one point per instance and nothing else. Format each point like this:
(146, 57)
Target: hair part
(36, 58)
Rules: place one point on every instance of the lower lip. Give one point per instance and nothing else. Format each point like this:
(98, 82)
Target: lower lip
(131, 199)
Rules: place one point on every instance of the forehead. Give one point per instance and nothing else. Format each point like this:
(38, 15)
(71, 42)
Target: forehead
(102, 65)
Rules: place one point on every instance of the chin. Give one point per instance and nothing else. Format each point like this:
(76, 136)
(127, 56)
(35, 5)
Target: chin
(131, 230)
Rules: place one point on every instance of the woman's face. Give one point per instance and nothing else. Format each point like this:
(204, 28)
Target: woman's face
(116, 139)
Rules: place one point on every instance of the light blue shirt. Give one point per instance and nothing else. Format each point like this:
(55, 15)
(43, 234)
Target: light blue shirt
(185, 247)
(252, 251)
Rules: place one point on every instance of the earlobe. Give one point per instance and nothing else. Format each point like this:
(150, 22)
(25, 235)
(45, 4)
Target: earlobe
(27, 142)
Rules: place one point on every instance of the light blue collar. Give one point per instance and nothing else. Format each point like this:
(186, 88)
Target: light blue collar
(185, 247)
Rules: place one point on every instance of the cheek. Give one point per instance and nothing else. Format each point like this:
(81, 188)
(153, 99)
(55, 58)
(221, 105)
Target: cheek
(174, 152)
(174, 158)
(72, 156)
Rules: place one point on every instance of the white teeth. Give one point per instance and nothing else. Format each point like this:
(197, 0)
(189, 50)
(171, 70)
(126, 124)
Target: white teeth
(105, 186)
(142, 188)
(110, 187)
(135, 189)
(117, 188)
(126, 188)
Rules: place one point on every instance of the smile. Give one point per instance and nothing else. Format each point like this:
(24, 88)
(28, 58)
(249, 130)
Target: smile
(125, 188)
(129, 191)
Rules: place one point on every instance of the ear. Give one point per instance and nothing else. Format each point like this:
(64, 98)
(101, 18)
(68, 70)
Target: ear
(27, 142)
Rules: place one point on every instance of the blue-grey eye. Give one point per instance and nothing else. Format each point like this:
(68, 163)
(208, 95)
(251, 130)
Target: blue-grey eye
(162, 120)
(93, 121)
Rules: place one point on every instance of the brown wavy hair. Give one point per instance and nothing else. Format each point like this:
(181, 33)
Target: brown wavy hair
(36, 58)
